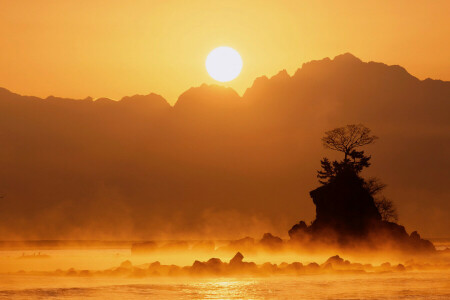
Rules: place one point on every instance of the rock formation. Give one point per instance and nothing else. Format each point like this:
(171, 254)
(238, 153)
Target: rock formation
(346, 215)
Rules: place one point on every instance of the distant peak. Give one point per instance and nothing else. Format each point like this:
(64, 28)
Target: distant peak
(104, 100)
(347, 57)
(400, 69)
(214, 87)
(260, 80)
(142, 97)
(207, 95)
(283, 74)
(210, 89)
(52, 98)
(150, 100)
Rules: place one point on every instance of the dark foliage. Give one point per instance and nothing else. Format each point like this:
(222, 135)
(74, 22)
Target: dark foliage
(357, 162)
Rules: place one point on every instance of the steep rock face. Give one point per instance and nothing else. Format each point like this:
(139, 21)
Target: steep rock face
(344, 205)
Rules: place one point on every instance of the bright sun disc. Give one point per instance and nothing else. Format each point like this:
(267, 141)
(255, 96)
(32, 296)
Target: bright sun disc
(224, 64)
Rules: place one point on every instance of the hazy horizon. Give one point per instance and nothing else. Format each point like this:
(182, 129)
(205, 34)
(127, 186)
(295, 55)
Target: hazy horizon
(180, 150)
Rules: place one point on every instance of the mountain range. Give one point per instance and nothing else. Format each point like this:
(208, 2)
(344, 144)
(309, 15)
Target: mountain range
(217, 164)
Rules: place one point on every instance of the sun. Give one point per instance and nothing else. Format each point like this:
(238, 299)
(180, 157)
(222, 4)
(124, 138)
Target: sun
(224, 64)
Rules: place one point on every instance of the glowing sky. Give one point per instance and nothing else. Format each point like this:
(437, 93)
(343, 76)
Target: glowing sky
(107, 48)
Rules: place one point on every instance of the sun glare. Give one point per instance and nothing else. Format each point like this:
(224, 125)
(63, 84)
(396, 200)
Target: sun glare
(224, 64)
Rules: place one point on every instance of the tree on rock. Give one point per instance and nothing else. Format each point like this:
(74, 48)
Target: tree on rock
(350, 209)
(343, 202)
(345, 139)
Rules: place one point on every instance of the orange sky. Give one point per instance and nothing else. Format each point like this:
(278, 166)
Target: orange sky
(106, 48)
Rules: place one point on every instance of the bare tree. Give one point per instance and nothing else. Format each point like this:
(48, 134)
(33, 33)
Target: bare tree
(346, 139)
(385, 206)
(386, 209)
(374, 186)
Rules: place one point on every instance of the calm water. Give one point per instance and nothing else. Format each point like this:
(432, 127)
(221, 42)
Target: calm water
(14, 285)
(411, 285)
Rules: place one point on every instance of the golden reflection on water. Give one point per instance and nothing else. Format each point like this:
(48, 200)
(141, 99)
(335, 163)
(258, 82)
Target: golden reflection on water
(412, 285)
(225, 289)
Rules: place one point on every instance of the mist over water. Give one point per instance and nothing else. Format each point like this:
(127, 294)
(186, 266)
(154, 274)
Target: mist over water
(117, 273)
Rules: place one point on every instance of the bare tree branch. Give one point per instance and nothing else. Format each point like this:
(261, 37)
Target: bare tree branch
(387, 209)
(374, 186)
(345, 139)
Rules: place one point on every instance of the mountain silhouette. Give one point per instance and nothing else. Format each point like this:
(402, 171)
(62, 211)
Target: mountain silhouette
(217, 163)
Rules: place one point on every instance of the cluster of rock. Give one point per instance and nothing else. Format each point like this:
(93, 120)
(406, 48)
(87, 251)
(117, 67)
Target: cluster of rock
(237, 267)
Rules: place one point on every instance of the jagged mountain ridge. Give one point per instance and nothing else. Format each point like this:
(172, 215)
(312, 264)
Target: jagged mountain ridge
(215, 155)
